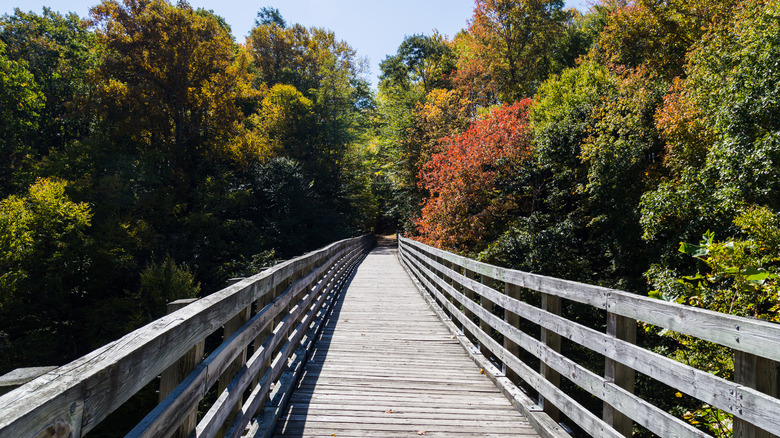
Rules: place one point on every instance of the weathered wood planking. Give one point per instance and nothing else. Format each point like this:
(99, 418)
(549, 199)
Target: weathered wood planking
(194, 387)
(753, 336)
(646, 414)
(746, 403)
(386, 366)
(77, 396)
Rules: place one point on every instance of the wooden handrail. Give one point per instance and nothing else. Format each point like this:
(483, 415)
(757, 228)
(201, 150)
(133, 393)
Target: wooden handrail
(451, 282)
(72, 399)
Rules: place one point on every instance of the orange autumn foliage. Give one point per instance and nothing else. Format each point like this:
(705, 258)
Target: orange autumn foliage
(467, 181)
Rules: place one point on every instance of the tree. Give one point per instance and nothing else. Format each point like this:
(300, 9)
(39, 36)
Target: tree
(328, 75)
(505, 54)
(268, 15)
(657, 34)
(421, 59)
(622, 155)
(162, 283)
(45, 252)
(60, 52)
(172, 83)
(287, 120)
(20, 104)
(721, 133)
(469, 201)
(552, 234)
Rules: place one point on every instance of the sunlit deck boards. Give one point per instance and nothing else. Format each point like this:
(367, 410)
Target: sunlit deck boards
(386, 366)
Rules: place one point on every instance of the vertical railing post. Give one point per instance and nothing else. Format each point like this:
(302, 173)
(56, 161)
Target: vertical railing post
(622, 328)
(451, 281)
(484, 325)
(173, 375)
(551, 304)
(512, 291)
(231, 327)
(261, 302)
(441, 261)
(470, 296)
(760, 374)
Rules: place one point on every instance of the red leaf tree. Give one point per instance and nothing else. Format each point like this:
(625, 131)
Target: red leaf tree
(468, 182)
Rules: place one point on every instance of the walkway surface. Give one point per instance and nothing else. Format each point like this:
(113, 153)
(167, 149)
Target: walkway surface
(386, 366)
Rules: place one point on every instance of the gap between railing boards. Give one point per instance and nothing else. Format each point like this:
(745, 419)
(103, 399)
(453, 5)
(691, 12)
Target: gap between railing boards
(484, 303)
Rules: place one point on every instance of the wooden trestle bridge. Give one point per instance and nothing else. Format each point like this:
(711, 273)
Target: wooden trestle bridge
(350, 341)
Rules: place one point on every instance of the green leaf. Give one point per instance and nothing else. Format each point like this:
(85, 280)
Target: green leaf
(694, 250)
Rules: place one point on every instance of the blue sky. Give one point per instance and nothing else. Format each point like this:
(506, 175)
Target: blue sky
(374, 28)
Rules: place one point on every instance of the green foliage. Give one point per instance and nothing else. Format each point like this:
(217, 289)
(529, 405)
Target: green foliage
(656, 35)
(20, 104)
(561, 120)
(60, 52)
(416, 110)
(162, 283)
(721, 130)
(170, 83)
(741, 278)
(505, 54)
(44, 256)
(268, 15)
(421, 59)
(175, 141)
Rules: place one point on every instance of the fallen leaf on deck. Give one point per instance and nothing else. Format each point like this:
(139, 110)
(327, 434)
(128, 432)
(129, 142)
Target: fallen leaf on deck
(421, 432)
(389, 411)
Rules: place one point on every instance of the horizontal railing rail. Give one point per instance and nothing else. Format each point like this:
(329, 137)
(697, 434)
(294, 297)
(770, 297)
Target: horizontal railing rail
(484, 301)
(268, 322)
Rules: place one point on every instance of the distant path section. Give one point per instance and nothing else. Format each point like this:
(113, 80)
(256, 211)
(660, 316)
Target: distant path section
(386, 366)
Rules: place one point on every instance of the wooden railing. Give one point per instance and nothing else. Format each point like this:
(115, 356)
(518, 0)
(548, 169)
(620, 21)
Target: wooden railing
(268, 323)
(482, 302)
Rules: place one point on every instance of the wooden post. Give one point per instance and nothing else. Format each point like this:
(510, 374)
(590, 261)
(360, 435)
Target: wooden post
(512, 291)
(454, 284)
(760, 374)
(469, 295)
(231, 327)
(552, 304)
(484, 325)
(173, 375)
(625, 329)
(261, 302)
(441, 275)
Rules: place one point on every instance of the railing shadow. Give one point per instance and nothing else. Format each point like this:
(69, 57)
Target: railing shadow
(302, 399)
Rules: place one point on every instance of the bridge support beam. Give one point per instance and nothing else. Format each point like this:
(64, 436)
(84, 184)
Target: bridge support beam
(625, 329)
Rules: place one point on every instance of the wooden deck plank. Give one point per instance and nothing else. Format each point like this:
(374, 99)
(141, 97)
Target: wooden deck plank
(385, 366)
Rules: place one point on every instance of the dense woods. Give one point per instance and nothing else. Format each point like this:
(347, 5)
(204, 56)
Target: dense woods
(148, 156)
